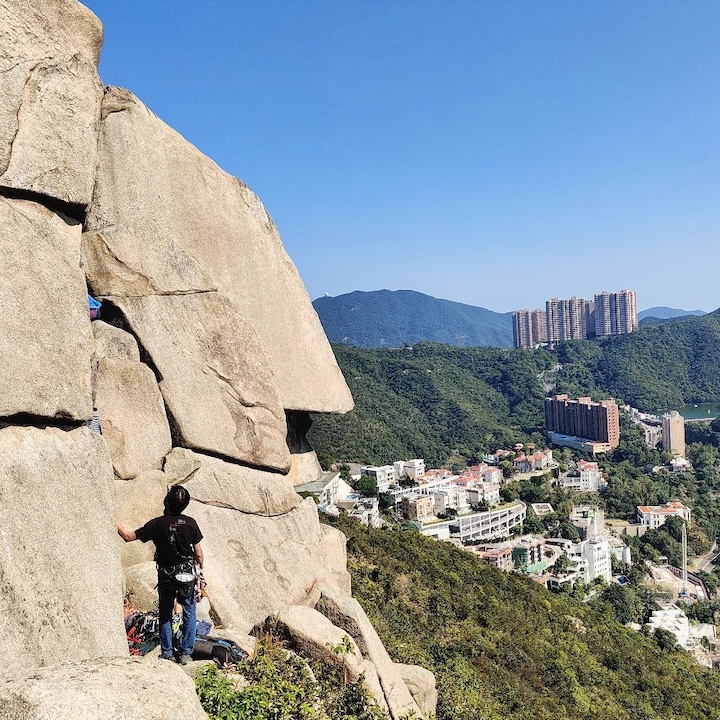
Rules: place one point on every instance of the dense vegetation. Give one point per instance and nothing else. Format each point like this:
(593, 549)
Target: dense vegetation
(280, 685)
(503, 648)
(385, 318)
(450, 404)
(434, 401)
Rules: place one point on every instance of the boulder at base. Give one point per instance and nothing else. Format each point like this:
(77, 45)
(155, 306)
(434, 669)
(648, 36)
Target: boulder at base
(61, 598)
(107, 689)
(46, 345)
(156, 193)
(216, 379)
(51, 94)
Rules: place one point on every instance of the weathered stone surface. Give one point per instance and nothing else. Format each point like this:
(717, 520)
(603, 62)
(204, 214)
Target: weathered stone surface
(137, 501)
(61, 594)
(304, 465)
(51, 95)
(345, 612)
(304, 468)
(112, 342)
(159, 194)
(313, 636)
(47, 345)
(422, 686)
(215, 379)
(111, 689)
(140, 582)
(132, 416)
(222, 484)
(257, 565)
(245, 642)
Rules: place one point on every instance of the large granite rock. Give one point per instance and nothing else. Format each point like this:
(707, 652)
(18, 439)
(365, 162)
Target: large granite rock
(46, 343)
(222, 484)
(304, 464)
(111, 689)
(51, 95)
(157, 195)
(113, 342)
(257, 565)
(216, 382)
(422, 686)
(132, 416)
(61, 597)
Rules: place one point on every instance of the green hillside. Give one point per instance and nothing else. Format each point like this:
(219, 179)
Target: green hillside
(433, 401)
(391, 318)
(503, 648)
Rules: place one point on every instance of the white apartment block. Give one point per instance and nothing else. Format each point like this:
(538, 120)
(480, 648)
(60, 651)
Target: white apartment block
(587, 478)
(496, 523)
(384, 476)
(655, 515)
(488, 493)
(329, 489)
(593, 559)
(367, 511)
(493, 475)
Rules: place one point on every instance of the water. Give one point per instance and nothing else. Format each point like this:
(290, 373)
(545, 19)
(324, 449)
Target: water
(701, 411)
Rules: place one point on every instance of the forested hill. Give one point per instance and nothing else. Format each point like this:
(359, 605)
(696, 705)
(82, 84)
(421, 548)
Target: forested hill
(386, 318)
(503, 648)
(661, 366)
(434, 401)
(665, 313)
(439, 402)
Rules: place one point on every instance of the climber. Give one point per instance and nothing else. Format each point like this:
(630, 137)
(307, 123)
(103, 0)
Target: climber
(178, 555)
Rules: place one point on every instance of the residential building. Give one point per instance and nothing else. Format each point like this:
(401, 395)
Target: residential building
(529, 328)
(418, 507)
(488, 493)
(583, 419)
(493, 524)
(587, 477)
(653, 516)
(500, 558)
(671, 618)
(367, 511)
(493, 475)
(673, 433)
(592, 558)
(330, 490)
(414, 469)
(615, 313)
(384, 476)
(528, 556)
(589, 521)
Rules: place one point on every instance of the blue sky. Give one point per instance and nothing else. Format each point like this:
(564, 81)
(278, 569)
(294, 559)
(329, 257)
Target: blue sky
(493, 152)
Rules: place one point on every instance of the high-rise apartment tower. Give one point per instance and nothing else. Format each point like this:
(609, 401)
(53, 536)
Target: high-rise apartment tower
(673, 433)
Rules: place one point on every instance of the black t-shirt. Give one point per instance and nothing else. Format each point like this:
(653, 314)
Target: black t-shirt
(175, 537)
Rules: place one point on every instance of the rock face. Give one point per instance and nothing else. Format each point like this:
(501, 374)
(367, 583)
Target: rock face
(215, 381)
(132, 416)
(50, 112)
(211, 345)
(155, 192)
(421, 684)
(257, 565)
(47, 342)
(57, 528)
(117, 689)
(214, 482)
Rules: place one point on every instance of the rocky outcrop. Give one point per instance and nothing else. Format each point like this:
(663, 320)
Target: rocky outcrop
(421, 684)
(59, 566)
(46, 338)
(214, 482)
(111, 689)
(215, 380)
(112, 342)
(257, 565)
(156, 195)
(132, 416)
(51, 95)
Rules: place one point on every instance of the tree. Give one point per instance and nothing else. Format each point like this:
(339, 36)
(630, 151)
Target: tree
(367, 486)
(507, 468)
(561, 564)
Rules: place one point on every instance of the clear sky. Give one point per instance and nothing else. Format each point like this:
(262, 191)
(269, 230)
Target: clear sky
(493, 152)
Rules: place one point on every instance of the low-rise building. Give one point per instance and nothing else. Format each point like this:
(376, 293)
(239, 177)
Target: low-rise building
(367, 511)
(653, 516)
(542, 509)
(589, 521)
(418, 507)
(383, 475)
(585, 478)
(528, 556)
(490, 525)
(414, 469)
(671, 618)
(500, 557)
(329, 490)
